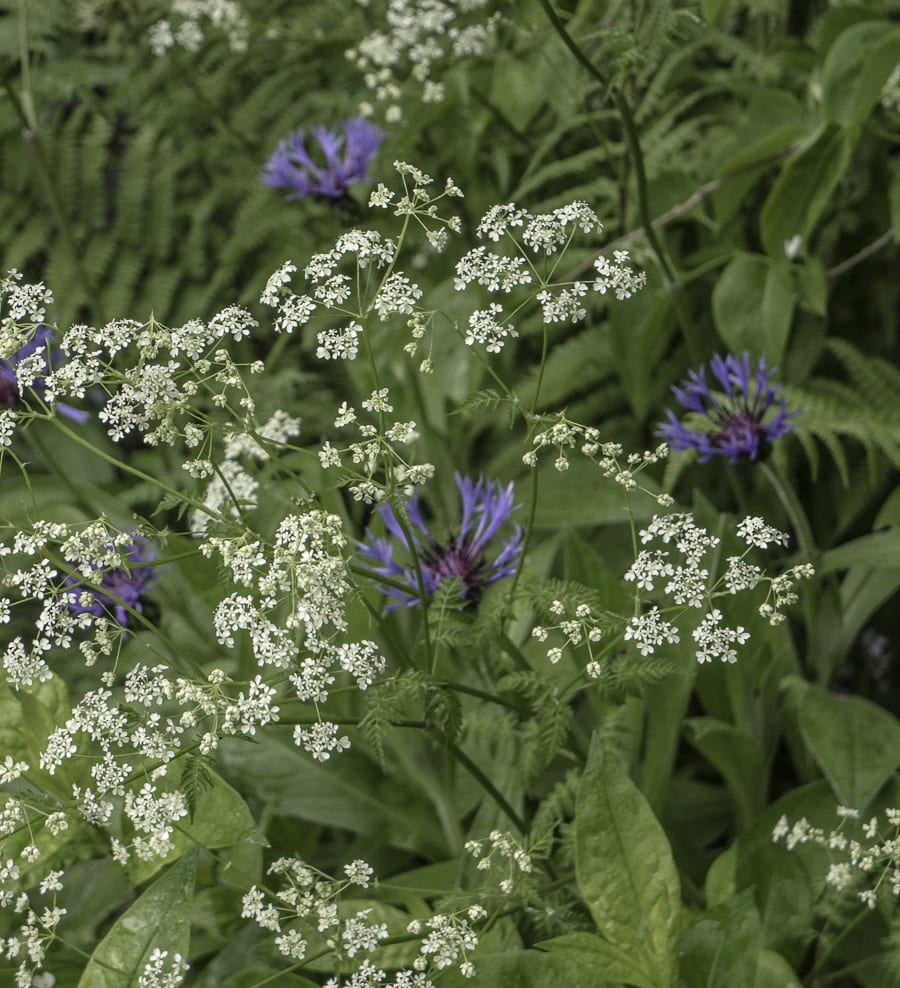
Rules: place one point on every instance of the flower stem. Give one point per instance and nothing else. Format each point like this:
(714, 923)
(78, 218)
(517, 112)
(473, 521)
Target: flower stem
(670, 275)
(487, 785)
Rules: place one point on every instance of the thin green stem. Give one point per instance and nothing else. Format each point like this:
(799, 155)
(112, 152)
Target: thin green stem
(791, 504)
(127, 468)
(514, 652)
(487, 785)
(529, 528)
(632, 140)
(482, 695)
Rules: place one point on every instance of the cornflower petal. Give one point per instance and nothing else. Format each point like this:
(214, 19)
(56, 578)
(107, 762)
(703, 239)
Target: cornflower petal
(485, 508)
(118, 590)
(739, 423)
(10, 392)
(347, 157)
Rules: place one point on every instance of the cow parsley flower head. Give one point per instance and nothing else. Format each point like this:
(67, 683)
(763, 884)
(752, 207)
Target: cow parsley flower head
(118, 588)
(26, 369)
(486, 506)
(739, 419)
(347, 158)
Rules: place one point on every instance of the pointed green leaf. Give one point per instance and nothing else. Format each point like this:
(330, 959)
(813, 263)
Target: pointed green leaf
(712, 9)
(722, 947)
(591, 953)
(737, 302)
(777, 309)
(855, 742)
(856, 69)
(160, 919)
(222, 817)
(625, 870)
(271, 978)
(773, 971)
(880, 549)
(736, 755)
(803, 189)
(894, 202)
(350, 792)
(532, 969)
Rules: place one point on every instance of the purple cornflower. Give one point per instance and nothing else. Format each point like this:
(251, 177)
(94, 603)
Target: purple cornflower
(291, 167)
(10, 394)
(486, 506)
(742, 418)
(119, 588)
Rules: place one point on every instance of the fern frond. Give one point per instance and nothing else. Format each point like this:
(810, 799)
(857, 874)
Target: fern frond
(196, 779)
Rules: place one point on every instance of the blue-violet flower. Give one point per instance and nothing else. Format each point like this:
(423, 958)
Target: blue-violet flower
(741, 419)
(11, 394)
(347, 158)
(117, 589)
(486, 506)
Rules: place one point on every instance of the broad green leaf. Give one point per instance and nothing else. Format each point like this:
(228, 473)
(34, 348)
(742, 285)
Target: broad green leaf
(785, 882)
(624, 869)
(889, 513)
(880, 549)
(350, 792)
(324, 961)
(640, 335)
(720, 879)
(777, 308)
(812, 283)
(530, 969)
(666, 705)
(592, 953)
(773, 971)
(581, 496)
(27, 718)
(788, 912)
(863, 591)
(773, 120)
(270, 977)
(160, 919)
(222, 817)
(722, 947)
(856, 69)
(856, 743)
(894, 200)
(736, 755)
(712, 9)
(803, 190)
(737, 303)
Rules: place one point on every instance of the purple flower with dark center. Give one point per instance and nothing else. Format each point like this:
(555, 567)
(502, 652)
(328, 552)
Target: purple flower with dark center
(118, 589)
(347, 158)
(10, 393)
(740, 418)
(486, 506)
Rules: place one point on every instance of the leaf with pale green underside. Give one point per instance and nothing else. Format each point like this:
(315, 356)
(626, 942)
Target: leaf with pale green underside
(533, 969)
(856, 743)
(722, 945)
(625, 872)
(221, 818)
(856, 68)
(160, 919)
(802, 192)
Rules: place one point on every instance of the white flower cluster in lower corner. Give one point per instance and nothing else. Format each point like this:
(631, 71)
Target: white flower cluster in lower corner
(28, 942)
(865, 854)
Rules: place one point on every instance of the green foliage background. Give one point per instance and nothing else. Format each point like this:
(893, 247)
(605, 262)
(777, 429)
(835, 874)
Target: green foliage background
(130, 184)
